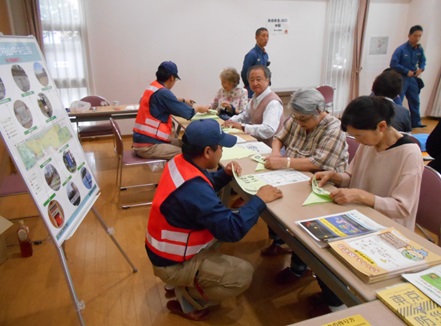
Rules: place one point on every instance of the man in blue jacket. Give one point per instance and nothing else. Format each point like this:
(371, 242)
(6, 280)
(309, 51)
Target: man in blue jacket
(256, 56)
(187, 219)
(409, 60)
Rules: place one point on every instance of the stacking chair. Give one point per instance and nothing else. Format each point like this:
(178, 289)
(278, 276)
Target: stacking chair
(97, 129)
(429, 207)
(128, 158)
(328, 94)
(352, 147)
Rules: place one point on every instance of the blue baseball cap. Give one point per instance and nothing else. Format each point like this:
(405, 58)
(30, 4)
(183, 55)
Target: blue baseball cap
(208, 132)
(169, 67)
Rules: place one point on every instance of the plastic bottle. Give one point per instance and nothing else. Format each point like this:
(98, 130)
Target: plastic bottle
(25, 240)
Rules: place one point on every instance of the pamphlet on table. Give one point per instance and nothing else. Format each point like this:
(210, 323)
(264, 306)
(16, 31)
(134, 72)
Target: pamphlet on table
(383, 254)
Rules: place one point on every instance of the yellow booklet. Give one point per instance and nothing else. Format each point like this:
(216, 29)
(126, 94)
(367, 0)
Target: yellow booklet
(411, 305)
(383, 254)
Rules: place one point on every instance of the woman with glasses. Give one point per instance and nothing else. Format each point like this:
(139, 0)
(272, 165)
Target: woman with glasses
(313, 141)
(312, 138)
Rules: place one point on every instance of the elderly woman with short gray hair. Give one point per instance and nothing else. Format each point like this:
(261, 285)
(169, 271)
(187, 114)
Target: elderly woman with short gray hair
(313, 141)
(312, 138)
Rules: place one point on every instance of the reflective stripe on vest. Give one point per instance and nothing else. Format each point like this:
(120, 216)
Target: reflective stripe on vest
(173, 248)
(167, 241)
(152, 130)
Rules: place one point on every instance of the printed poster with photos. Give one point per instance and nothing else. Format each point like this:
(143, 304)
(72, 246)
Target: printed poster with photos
(39, 136)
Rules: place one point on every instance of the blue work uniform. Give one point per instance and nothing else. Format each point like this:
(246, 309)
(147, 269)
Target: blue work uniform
(407, 58)
(256, 56)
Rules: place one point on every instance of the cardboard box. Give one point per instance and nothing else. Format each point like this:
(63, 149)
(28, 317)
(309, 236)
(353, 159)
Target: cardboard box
(4, 225)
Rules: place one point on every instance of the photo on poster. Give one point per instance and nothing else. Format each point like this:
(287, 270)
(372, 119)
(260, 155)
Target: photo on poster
(73, 194)
(20, 78)
(41, 74)
(86, 177)
(45, 105)
(69, 161)
(52, 177)
(56, 214)
(2, 90)
(23, 114)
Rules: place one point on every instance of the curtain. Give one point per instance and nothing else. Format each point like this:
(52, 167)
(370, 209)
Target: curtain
(434, 105)
(32, 19)
(360, 28)
(341, 19)
(64, 37)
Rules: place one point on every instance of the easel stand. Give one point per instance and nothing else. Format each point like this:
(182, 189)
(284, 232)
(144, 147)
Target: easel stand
(79, 304)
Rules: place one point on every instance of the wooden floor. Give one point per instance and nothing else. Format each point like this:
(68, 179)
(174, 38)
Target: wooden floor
(33, 291)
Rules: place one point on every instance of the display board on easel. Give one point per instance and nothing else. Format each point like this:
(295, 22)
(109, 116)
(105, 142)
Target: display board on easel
(39, 136)
(40, 139)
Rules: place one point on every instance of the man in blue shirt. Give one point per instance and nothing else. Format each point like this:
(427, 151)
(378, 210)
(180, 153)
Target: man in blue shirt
(389, 84)
(187, 218)
(409, 60)
(256, 56)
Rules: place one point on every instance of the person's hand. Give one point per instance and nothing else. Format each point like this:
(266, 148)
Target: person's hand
(343, 196)
(232, 124)
(226, 105)
(410, 73)
(233, 165)
(201, 108)
(418, 72)
(269, 193)
(275, 163)
(323, 177)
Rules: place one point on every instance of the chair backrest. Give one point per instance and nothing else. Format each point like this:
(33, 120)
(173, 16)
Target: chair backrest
(327, 92)
(429, 206)
(414, 139)
(96, 100)
(119, 145)
(352, 147)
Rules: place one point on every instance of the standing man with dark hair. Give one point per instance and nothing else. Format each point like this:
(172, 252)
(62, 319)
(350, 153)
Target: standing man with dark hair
(389, 84)
(256, 56)
(152, 132)
(409, 60)
(187, 218)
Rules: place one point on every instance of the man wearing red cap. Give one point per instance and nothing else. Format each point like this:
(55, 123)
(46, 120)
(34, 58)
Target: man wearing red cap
(152, 132)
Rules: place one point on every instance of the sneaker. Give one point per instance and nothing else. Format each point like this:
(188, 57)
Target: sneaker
(196, 315)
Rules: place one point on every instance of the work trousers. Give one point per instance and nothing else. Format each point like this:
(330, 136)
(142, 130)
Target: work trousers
(412, 92)
(165, 151)
(218, 277)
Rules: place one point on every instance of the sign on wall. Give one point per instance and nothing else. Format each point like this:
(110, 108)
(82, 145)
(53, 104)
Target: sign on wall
(277, 25)
(39, 136)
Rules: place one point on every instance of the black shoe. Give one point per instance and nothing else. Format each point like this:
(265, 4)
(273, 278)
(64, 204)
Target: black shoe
(420, 126)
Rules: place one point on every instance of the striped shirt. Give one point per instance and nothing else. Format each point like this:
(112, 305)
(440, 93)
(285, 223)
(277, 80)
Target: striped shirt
(325, 145)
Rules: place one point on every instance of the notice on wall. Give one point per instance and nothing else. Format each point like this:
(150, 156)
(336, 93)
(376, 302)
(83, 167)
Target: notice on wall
(277, 25)
(39, 136)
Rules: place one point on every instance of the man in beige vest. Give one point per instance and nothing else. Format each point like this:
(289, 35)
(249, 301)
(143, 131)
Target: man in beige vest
(262, 116)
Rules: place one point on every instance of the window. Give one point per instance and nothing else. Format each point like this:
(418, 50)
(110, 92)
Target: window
(64, 47)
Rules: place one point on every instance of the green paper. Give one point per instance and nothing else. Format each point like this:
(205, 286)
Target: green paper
(231, 130)
(235, 152)
(200, 116)
(313, 198)
(260, 167)
(249, 183)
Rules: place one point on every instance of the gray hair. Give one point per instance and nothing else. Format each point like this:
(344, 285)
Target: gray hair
(307, 101)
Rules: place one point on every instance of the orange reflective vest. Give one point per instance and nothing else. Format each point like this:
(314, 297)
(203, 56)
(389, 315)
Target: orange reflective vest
(165, 240)
(148, 125)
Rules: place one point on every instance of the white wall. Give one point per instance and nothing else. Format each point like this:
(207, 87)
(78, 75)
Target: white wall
(129, 39)
(393, 18)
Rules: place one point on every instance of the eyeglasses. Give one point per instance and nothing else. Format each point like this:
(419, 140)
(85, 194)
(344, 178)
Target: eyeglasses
(302, 119)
